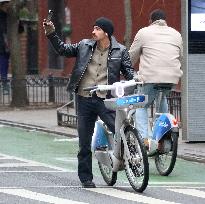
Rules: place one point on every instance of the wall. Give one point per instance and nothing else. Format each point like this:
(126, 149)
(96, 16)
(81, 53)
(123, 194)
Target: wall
(193, 92)
(84, 13)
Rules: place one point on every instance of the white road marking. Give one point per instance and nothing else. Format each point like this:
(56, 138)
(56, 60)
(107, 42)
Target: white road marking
(26, 171)
(129, 196)
(191, 192)
(66, 139)
(176, 183)
(21, 187)
(178, 186)
(66, 159)
(6, 157)
(38, 196)
(79, 186)
(17, 165)
(37, 163)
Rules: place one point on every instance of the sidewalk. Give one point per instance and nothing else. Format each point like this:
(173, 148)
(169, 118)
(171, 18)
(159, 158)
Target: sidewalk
(46, 120)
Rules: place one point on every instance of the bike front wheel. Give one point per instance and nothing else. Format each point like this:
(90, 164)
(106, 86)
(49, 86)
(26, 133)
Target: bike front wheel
(165, 162)
(136, 160)
(108, 175)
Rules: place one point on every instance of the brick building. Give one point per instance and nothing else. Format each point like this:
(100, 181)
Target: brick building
(81, 15)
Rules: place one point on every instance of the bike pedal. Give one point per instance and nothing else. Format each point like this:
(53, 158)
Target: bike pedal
(152, 147)
(146, 143)
(102, 148)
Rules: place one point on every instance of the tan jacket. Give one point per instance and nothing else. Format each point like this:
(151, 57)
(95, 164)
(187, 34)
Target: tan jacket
(159, 49)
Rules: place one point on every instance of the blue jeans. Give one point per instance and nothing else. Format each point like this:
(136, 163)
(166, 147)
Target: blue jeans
(88, 109)
(141, 114)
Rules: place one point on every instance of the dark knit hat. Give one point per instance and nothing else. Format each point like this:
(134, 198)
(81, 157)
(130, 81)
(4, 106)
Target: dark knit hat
(105, 24)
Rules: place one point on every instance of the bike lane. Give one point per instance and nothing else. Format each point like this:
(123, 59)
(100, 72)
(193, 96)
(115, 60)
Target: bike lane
(62, 151)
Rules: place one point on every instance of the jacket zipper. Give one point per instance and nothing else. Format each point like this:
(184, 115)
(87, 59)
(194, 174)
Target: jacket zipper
(108, 59)
(115, 58)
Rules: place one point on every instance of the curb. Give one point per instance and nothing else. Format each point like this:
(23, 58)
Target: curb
(34, 127)
(193, 158)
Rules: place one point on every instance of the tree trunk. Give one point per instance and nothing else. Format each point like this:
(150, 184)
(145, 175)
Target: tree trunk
(19, 95)
(128, 23)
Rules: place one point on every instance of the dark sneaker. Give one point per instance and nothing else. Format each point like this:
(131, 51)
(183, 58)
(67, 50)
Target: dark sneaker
(88, 184)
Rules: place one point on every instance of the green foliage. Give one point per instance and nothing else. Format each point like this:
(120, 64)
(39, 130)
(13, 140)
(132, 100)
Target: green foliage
(67, 30)
(25, 15)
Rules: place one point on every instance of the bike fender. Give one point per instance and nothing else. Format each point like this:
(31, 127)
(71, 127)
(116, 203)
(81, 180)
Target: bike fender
(99, 138)
(163, 124)
(175, 129)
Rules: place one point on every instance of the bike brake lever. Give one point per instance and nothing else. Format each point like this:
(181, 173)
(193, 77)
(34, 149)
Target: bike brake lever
(93, 90)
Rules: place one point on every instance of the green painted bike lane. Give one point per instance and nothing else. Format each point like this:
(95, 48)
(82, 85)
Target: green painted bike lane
(62, 151)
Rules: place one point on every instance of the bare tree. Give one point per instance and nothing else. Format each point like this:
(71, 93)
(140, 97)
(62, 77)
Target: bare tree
(128, 23)
(19, 95)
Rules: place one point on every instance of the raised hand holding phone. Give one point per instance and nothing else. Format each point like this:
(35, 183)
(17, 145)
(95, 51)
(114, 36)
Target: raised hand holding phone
(50, 15)
(47, 24)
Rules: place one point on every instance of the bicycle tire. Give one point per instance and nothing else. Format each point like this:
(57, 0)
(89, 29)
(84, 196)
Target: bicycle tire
(160, 165)
(108, 175)
(137, 169)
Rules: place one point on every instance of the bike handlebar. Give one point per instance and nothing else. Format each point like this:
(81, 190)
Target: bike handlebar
(114, 86)
(90, 88)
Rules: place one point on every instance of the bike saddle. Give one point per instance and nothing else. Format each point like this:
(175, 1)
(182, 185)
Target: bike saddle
(163, 86)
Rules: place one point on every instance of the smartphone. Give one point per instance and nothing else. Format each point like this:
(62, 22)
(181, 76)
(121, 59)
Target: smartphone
(50, 15)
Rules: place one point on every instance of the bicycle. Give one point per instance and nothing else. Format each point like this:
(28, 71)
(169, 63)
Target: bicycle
(124, 150)
(163, 144)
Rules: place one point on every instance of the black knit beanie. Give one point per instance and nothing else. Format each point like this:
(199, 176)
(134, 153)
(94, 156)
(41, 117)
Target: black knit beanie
(106, 25)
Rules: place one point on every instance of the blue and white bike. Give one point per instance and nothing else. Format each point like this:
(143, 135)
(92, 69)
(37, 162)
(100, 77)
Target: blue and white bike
(163, 144)
(124, 150)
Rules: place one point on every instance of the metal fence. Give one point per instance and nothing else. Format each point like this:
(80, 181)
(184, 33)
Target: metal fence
(66, 115)
(174, 105)
(40, 91)
(52, 90)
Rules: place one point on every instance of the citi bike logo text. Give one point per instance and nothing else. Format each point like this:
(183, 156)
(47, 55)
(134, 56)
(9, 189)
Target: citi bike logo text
(163, 124)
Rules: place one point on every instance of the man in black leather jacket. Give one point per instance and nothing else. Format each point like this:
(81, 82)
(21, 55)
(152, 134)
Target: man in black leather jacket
(98, 61)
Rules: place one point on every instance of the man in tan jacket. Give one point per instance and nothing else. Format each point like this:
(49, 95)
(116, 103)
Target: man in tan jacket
(159, 50)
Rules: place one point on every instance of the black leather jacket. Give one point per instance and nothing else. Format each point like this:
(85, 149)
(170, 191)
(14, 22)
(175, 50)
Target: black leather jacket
(118, 59)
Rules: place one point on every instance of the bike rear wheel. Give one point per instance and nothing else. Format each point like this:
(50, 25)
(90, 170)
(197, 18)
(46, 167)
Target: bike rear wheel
(108, 175)
(165, 162)
(136, 166)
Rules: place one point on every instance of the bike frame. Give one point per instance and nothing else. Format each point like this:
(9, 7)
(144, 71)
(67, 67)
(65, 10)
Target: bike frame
(102, 137)
(124, 151)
